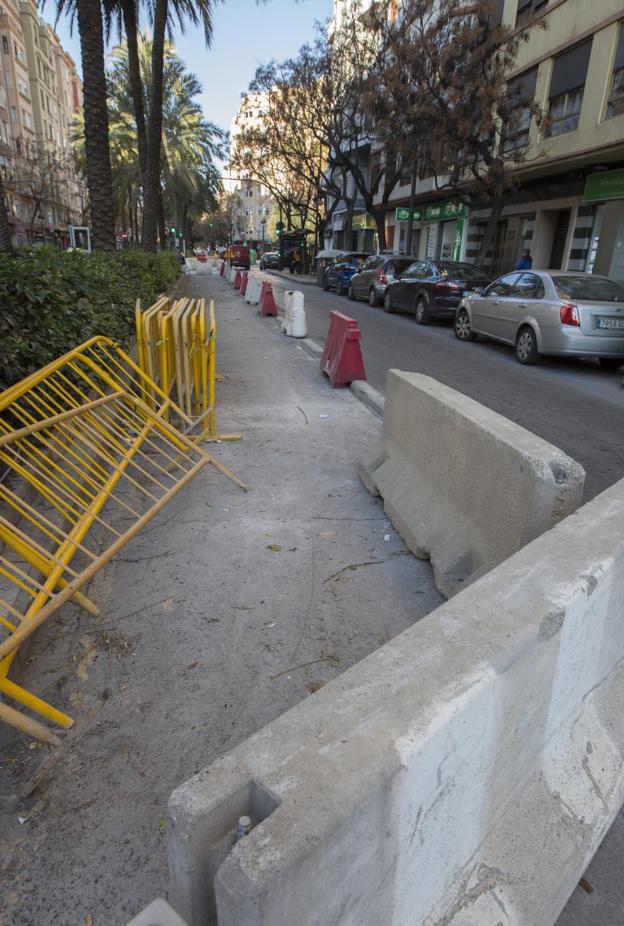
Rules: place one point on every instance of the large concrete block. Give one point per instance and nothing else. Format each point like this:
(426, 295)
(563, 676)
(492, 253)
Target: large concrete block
(158, 913)
(462, 775)
(464, 486)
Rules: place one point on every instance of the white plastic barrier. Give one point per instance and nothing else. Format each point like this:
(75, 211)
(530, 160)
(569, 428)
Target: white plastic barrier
(294, 322)
(462, 775)
(464, 486)
(158, 913)
(252, 294)
(202, 267)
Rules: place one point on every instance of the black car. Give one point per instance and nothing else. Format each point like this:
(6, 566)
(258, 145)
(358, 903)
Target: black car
(433, 289)
(270, 260)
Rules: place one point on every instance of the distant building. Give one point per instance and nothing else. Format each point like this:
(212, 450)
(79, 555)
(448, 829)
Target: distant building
(253, 207)
(39, 92)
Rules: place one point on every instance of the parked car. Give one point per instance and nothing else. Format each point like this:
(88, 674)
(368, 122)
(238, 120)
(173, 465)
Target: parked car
(270, 260)
(241, 256)
(378, 271)
(433, 289)
(553, 312)
(338, 273)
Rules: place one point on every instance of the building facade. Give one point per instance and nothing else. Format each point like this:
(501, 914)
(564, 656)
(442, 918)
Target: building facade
(568, 208)
(39, 93)
(253, 209)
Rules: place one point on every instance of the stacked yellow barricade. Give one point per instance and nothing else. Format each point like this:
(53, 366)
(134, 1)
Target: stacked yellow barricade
(90, 437)
(177, 349)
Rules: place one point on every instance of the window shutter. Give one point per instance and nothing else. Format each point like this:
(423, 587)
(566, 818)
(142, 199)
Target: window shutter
(619, 54)
(570, 69)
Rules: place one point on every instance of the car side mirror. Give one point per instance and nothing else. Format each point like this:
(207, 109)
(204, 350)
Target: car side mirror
(479, 290)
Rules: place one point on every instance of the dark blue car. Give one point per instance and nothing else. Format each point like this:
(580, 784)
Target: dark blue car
(339, 272)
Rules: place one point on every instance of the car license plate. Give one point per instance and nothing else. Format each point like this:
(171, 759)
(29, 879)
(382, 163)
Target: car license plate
(611, 323)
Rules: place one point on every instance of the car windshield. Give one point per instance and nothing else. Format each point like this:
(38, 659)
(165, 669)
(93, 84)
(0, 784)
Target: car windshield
(466, 272)
(593, 289)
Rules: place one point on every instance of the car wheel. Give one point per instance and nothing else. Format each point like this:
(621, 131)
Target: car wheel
(421, 313)
(610, 363)
(373, 299)
(350, 293)
(325, 286)
(462, 327)
(526, 346)
(387, 303)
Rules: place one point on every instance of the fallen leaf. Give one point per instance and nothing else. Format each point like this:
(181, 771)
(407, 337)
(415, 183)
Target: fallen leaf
(275, 547)
(192, 665)
(325, 535)
(314, 686)
(162, 826)
(89, 919)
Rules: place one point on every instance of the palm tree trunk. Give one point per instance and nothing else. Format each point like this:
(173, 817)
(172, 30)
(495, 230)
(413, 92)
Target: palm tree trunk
(129, 12)
(99, 183)
(152, 191)
(162, 234)
(5, 233)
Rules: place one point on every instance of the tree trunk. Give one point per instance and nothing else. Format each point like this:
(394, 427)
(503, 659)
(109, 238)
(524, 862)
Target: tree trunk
(162, 234)
(410, 218)
(129, 12)
(152, 192)
(97, 152)
(487, 242)
(380, 222)
(5, 234)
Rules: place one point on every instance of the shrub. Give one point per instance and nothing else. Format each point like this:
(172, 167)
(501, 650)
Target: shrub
(51, 301)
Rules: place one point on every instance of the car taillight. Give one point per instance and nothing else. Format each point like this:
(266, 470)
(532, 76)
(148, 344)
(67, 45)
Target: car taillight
(382, 277)
(569, 314)
(447, 286)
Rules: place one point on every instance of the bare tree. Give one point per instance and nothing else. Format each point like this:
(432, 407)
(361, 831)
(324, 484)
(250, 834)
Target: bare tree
(442, 96)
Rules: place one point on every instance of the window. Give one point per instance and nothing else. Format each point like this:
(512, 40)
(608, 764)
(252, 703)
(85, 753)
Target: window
(584, 286)
(615, 107)
(529, 286)
(521, 92)
(526, 9)
(503, 286)
(3, 97)
(13, 114)
(5, 45)
(566, 88)
(27, 119)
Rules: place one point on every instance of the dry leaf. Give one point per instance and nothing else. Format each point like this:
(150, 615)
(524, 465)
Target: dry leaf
(275, 547)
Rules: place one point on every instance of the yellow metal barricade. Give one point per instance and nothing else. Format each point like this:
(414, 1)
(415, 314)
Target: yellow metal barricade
(185, 364)
(88, 435)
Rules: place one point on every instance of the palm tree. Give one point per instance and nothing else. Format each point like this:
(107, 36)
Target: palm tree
(164, 14)
(88, 14)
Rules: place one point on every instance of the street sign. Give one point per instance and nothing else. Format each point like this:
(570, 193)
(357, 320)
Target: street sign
(229, 254)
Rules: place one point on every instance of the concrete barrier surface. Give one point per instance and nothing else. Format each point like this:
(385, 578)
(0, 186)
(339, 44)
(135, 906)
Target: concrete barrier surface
(464, 486)
(461, 775)
(252, 294)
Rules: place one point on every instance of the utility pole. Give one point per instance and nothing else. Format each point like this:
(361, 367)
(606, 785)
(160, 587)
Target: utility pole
(410, 220)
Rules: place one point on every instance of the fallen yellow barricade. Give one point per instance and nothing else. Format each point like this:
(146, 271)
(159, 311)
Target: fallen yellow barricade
(88, 435)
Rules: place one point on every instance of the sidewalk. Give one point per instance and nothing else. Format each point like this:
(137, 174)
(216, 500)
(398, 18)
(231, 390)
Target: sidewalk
(296, 279)
(225, 611)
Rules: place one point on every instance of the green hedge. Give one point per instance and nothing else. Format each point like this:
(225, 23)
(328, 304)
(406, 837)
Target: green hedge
(52, 300)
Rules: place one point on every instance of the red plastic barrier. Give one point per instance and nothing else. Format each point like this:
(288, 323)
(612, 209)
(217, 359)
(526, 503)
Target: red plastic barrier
(267, 304)
(237, 279)
(342, 357)
(244, 282)
(202, 258)
(222, 270)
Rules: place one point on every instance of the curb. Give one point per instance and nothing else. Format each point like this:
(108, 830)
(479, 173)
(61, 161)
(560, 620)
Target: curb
(370, 397)
(289, 276)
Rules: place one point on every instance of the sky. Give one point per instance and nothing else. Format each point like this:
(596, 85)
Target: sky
(245, 35)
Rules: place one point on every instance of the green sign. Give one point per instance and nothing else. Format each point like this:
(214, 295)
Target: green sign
(608, 184)
(402, 214)
(440, 211)
(444, 210)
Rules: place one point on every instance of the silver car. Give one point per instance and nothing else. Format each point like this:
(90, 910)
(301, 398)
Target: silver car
(554, 312)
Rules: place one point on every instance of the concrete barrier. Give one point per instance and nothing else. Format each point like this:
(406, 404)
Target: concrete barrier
(462, 775)
(159, 913)
(252, 294)
(464, 486)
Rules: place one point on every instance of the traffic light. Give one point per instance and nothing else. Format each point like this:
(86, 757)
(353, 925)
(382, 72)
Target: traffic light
(173, 231)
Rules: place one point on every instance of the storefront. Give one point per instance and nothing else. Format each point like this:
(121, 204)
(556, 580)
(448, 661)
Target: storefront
(604, 195)
(438, 232)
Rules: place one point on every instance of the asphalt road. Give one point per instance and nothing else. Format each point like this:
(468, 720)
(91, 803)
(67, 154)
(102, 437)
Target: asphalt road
(574, 404)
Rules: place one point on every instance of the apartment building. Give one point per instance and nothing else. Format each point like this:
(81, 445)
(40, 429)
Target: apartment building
(569, 205)
(253, 207)
(39, 92)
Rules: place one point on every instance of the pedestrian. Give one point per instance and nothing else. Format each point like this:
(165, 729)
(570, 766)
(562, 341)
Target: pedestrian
(526, 261)
(296, 261)
(253, 256)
